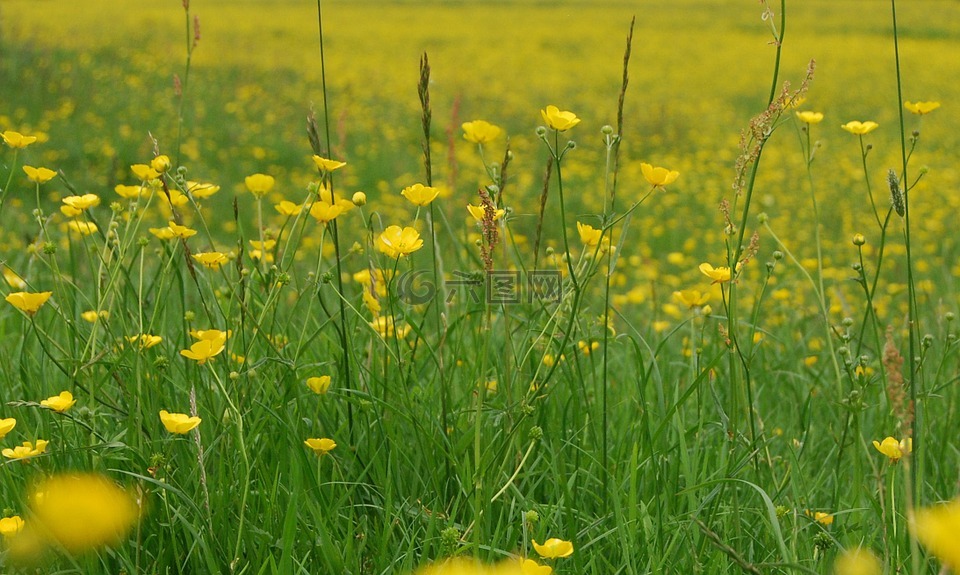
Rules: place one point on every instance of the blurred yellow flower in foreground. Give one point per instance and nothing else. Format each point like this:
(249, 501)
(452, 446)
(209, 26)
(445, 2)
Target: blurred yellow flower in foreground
(39, 175)
(6, 426)
(327, 166)
(397, 242)
(259, 184)
(420, 195)
(319, 384)
(894, 449)
(559, 120)
(937, 528)
(921, 108)
(553, 548)
(321, 446)
(26, 450)
(462, 566)
(17, 140)
(480, 131)
(59, 403)
(810, 117)
(28, 303)
(179, 423)
(857, 561)
(860, 128)
(10, 526)
(657, 176)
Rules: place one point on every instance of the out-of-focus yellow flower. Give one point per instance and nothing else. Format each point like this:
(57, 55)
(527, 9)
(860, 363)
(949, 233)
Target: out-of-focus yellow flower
(587, 347)
(325, 212)
(259, 184)
(211, 260)
(288, 208)
(657, 176)
(6, 426)
(28, 303)
(860, 128)
(480, 131)
(857, 561)
(384, 325)
(26, 450)
(371, 301)
(820, 517)
(161, 164)
(17, 140)
(478, 211)
(144, 173)
(936, 528)
(531, 567)
(718, 275)
(319, 384)
(144, 340)
(39, 175)
(13, 279)
(553, 548)
(179, 423)
(420, 195)
(82, 228)
(560, 121)
(808, 117)
(173, 230)
(321, 446)
(260, 247)
(691, 298)
(92, 315)
(59, 403)
(396, 242)
(203, 350)
(10, 526)
(589, 235)
(83, 202)
(200, 190)
(326, 166)
(894, 449)
(921, 108)
(128, 192)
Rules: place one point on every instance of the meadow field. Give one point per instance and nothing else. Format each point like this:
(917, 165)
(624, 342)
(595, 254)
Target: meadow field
(427, 287)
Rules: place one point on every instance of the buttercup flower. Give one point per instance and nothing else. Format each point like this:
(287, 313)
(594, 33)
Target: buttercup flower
(327, 166)
(82, 228)
(589, 235)
(128, 192)
(203, 350)
(810, 117)
(531, 567)
(385, 326)
(894, 449)
(820, 517)
(259, 184)
(325, 212)
(718, 275)
(17, 140)
(179, 423)
(144, 173)
(173, 231)
(13, 279)
(211, 260)
(359, 199)
(480, 131)
(396, 242)
(936, 528)
(860, 128)
(478, 211)
(161, 164)
(28, 303)
(260, 247)
(691, 297)
(39, 175)
(420, 195)
(321, 446)
(145, 340)
(59, 403)
(6, 426)
(288, 208)
(26, 450)
(10, 526)
(93, 315)
(560, 121)
(319, 384)
(553, 548)
(857, 561)
(201, 190)
(921, 108)
(83, 202)
(657, 176)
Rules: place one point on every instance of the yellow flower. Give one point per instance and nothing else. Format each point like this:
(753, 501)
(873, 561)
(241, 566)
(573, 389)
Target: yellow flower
(657, 176)
(857, 561)
(82, 228)
(28, 303)
(260, 247)
(560, 121)
(386, 328)
(587, 347)
(39, 175)
(10, 526)
(175, 198)
(259, 184)
(319, 384)
(17, 140)
(894, 449)
(13, 279)
(144, 340)
(93, 315)
(810, 117)
(203, 350)
(144, 172)
(691, 298)
(860, 128)
(477, 212)
(371, 302)
(82, 202)
(420, 195)
(820, 517)
(921, 108)
(480, 131)
(531, 567)
(26, 450)
(128, 192)
(288, 208)
(588, 235)
(553, 548)
(210, 335)
(6, 426)
(59, 403)
(325, 212)
(321, 446)
(160, 164)
(936, 528)
(173, 231)
(327, 166)
(718, 275)
(359, 199)
(201, 190)
(212, 260)
(397, 242)
(179, 423)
